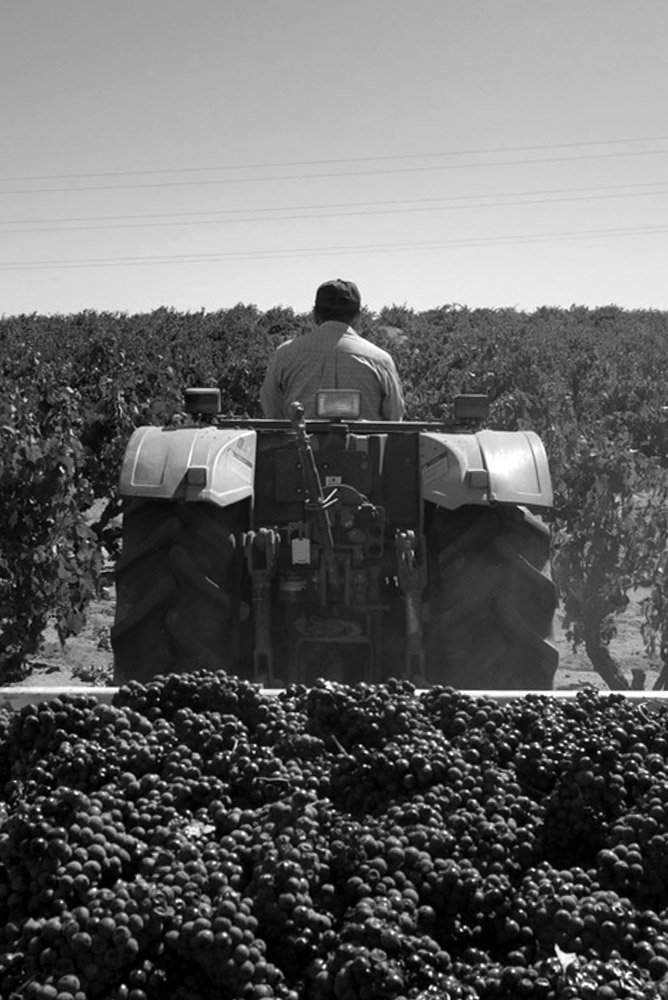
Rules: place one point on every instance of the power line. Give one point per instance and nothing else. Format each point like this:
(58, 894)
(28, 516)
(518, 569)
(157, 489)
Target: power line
(342, 212)
(332, 174)
(347, 159)
(297, 252)
(337, 205)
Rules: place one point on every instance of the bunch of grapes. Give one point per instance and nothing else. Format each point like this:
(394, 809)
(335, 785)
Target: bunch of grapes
(198, 838)
(362, 714)
(290, 889)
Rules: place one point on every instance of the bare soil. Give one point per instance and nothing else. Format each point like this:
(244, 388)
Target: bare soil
(627, 648)
(86, 659)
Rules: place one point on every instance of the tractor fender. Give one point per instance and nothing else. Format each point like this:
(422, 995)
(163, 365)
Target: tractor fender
(211, 464)
(485, 468)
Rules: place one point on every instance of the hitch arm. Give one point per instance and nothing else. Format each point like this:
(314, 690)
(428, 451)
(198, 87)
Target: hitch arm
(317, 503)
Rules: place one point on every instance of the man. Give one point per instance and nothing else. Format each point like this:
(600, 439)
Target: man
(333, 356)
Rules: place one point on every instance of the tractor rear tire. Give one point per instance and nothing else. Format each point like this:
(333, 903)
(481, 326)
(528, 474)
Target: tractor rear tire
(177, 590)
(491, 600)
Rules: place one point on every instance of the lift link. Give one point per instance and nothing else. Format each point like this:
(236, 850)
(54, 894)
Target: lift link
(412, 575)
(317, 503)
(260, 549)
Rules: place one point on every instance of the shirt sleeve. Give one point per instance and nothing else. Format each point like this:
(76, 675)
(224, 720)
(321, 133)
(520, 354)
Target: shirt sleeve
(393, 406)
(271, 399)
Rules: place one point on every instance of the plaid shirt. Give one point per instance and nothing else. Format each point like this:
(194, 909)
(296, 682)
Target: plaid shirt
(332, 356)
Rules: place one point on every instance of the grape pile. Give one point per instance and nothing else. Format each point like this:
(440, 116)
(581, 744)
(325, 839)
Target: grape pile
(200, 839)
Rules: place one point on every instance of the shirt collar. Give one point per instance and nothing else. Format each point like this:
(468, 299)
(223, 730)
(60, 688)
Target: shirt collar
(334, 328)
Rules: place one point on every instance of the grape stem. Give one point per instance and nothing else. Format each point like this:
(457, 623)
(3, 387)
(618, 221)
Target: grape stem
(340, 748)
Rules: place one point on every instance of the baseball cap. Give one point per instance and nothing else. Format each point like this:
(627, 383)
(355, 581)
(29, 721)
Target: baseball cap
(338, 294)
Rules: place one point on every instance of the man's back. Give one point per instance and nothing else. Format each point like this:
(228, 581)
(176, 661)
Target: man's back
(333, 356)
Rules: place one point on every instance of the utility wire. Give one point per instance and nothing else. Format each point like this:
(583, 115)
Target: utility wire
(340, 214)
(384, 207)
(330, 174)
(347, 159)
(297, 252)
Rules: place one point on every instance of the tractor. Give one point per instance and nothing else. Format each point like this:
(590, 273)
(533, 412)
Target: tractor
(284, 551)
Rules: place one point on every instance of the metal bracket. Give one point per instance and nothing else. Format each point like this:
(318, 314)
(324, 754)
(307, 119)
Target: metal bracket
(412, 576)
(260, 549)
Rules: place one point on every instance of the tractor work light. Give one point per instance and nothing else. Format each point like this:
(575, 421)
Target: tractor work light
(338, 404)
(202, 401)
(471, 406)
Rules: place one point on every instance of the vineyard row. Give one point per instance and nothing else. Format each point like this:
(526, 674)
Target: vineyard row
(590, 382)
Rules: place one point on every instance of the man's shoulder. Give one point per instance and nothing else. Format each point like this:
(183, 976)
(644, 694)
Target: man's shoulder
(301, 339)
(369, 349)
(286, 343)
(287, 347)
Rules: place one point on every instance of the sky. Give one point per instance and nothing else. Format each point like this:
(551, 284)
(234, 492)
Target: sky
(497, 153)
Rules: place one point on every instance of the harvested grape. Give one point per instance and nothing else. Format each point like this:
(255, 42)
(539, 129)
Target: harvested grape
(200, 838)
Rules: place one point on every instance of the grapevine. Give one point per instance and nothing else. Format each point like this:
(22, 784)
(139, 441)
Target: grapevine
(73, 388)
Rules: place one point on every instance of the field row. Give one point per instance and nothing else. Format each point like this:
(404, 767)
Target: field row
(72, 389)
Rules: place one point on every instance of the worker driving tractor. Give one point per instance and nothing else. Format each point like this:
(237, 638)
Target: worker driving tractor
(352, 551)
(332, 356)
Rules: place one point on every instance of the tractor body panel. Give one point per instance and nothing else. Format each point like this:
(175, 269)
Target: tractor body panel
(384, 468)
(211, 464)
(489, 467)
(222, 466)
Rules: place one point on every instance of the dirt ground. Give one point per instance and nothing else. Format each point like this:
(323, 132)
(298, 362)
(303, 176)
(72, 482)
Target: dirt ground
(87, 658)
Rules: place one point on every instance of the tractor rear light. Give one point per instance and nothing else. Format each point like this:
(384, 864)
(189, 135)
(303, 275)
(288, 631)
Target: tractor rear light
(478, 479)
(196, 476)
(338, 404)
